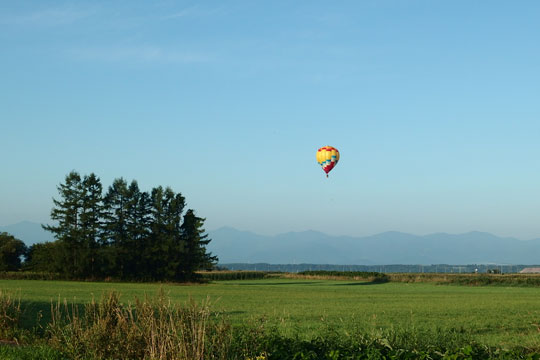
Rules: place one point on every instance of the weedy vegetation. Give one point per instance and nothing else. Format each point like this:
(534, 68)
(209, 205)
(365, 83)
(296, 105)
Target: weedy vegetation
(270, 318)
(155, 328)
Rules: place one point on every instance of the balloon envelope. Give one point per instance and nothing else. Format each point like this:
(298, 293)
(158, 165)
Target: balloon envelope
(327, 157)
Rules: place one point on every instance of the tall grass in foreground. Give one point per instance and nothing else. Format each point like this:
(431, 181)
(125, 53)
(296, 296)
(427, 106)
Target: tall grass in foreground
(148, 329)
(10, 316)
(156, 328)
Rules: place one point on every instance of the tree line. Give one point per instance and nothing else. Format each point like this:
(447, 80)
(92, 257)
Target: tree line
(124, 233)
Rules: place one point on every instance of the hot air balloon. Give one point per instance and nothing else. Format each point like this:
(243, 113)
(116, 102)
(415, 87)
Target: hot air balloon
(327, 157)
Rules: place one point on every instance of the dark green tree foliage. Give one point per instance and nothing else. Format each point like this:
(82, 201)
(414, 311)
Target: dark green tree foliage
(163, 255)
(115, 232)
(67, 212)
(194, 252)
(140, 230)
(11, 251)
(45, 257)
(125, 234)
(93, 211)
(130, 261)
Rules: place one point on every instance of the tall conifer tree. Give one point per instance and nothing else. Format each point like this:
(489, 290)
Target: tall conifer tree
(125, 234)
(93, 212)
(142, 234)
(195, 240)
(67, 212)
(115, 235)
(138, 222)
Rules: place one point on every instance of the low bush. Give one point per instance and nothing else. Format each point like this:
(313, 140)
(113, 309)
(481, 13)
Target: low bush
(375, 277)
(497, 279)
(233, 275)
(393, 345)
(468, 279)
(30, 275)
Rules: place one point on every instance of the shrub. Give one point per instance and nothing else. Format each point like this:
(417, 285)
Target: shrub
(30, 275)
(233, 275)
(11, 251)
(375, 277)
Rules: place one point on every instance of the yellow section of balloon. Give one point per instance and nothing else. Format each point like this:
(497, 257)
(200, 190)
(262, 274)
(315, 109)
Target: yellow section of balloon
(327, 157)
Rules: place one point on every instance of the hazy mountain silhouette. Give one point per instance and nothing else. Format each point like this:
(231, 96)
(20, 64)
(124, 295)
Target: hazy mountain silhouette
(29, 232)
(234, 246)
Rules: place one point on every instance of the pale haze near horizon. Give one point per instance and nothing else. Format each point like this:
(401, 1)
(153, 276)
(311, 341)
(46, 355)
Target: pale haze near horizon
(433, 106)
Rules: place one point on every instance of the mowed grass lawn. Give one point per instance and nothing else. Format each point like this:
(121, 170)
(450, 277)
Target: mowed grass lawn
(498, 316)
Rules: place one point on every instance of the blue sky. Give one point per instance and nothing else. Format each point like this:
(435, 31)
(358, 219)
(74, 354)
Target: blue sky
(432, 104)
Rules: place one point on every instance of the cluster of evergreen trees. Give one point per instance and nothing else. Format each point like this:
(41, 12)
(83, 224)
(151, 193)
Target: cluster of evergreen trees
(125, 233)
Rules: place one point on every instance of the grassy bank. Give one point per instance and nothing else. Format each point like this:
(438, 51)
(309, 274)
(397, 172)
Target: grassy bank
(507, 280)
(438, 278)
(470, 279)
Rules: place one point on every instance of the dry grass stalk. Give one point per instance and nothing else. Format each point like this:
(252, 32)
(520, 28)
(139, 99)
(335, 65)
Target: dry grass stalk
(149, 329)
(10, 315)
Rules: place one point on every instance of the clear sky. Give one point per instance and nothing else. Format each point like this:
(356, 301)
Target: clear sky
(434, 106)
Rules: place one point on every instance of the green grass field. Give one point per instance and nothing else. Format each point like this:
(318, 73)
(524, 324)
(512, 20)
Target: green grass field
(492, 315)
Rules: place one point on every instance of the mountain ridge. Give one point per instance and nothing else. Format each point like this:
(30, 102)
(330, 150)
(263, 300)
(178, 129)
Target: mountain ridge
(27, 231)
(310, 246)
(390, 247)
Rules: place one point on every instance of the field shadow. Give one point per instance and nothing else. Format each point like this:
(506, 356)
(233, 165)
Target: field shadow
(363, 283)
(234, 312)
(281, 283)
(35, 315)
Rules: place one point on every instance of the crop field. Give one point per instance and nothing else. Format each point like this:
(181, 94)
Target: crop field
(499, 316)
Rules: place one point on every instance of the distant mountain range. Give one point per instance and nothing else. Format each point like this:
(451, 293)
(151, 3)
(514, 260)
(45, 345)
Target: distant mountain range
(29, 232)
(235, 246)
